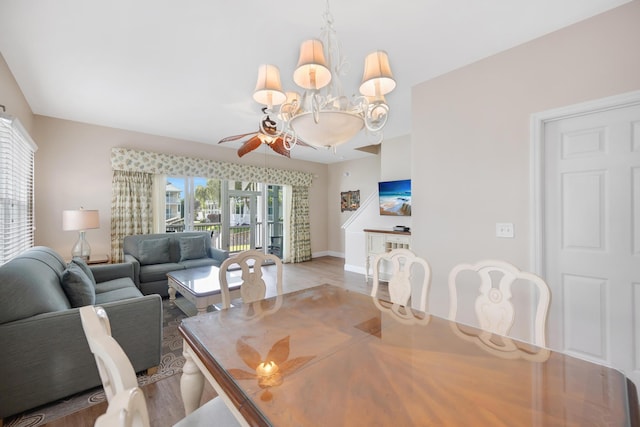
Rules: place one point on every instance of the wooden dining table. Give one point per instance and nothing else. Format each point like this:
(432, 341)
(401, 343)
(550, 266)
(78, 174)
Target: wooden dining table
(327, 356)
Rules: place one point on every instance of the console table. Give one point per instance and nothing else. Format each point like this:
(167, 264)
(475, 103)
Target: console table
(381, 241)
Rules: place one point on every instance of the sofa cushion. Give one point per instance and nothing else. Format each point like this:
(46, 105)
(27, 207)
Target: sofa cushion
(77, 286)
(29, 288)
(192, 248)
(113, 284)
(118, 295)
(46, 256)
(154, 251)
(85, 268)
(200, 262)
(153, 273)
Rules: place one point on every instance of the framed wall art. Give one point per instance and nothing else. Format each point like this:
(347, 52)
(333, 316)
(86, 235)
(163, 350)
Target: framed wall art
(349, 200)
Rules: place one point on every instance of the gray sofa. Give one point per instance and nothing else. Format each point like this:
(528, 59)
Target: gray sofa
(154, 255)
(45, 355)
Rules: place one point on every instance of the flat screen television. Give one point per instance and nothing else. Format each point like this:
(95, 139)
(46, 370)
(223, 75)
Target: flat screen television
(395, 197)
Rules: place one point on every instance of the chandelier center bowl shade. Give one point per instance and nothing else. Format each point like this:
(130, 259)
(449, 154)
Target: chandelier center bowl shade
(334, 127)
(322, 115)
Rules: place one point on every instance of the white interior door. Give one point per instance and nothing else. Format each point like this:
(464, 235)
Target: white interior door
(591, 245)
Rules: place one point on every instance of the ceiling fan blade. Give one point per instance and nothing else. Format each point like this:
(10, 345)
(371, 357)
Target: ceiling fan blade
(235, 137)
(249, 146)
(278, 146)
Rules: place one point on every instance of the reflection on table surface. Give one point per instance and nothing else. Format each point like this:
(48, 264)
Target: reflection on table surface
(328, 356)
(204, 280)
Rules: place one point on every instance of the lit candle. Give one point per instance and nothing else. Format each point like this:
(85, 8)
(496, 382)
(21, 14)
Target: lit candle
(266, 369)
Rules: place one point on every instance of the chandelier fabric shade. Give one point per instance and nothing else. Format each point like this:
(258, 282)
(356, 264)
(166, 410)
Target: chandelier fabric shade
(312, 71)
(377, 79)
(268, 87)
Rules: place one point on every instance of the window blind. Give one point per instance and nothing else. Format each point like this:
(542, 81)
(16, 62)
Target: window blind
(17, 151)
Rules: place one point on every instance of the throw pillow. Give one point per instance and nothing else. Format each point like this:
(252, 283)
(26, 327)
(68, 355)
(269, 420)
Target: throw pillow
(83, 265)
(77, 286)
(192, 248)
(155, 251)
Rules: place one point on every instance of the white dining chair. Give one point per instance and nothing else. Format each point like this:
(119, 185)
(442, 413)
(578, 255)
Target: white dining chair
(494, 309)
(253, 287)
(400, 286)
(127, 406)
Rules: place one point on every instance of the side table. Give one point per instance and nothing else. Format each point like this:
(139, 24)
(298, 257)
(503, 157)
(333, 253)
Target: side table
(99, 259)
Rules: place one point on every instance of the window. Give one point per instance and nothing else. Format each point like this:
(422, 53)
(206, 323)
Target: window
(192, 203)
(233, 211)
(16, 188)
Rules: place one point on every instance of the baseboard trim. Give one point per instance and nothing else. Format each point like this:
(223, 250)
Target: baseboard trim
(327, 253)
(354, 269)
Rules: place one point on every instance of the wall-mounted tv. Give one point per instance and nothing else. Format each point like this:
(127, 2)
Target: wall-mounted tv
(395, 197)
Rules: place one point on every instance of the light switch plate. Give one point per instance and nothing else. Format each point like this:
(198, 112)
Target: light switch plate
(504, 230)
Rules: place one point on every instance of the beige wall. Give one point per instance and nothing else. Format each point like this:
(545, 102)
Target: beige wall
(362, 175)
(393, 162)
(73, 169)
(12, 98)
(471, 136)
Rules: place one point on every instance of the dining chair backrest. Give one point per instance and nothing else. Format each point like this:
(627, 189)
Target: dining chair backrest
(253, 287)
(127, 404)
(494, 309)
(114, 367)
(400, 285)
(128, 408)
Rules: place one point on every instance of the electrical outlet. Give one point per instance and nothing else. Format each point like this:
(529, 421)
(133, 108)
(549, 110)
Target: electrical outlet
(504, 229)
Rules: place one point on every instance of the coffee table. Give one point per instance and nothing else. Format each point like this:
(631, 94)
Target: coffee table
(201, 286)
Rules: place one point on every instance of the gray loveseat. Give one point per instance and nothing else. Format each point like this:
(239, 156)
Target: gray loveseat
(154, 255)
(45, 355)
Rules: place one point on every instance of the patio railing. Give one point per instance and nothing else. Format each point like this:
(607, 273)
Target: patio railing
(239, 235)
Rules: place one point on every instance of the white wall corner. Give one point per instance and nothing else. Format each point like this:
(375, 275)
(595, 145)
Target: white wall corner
(320, 254)
(354, 268)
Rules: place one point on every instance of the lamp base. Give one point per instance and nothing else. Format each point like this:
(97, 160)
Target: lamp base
(81, 249)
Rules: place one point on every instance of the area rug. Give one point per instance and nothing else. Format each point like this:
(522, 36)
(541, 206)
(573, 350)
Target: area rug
(170, 364)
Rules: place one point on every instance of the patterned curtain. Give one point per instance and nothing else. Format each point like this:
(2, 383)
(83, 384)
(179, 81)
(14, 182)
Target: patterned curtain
(300, 226)
(131, 211)
(125, 159)
(129, 163)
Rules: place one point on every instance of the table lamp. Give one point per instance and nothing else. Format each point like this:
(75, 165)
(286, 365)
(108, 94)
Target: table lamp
(80, 220)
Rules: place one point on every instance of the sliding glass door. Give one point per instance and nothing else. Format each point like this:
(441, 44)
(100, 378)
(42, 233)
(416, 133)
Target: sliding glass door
(239, 215)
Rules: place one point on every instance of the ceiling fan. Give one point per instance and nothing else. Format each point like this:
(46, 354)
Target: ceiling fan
(268, 134)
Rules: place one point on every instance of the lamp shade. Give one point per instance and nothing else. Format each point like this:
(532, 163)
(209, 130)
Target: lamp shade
(268, 87)
(377, 78)
(80, 219)
(312, 71)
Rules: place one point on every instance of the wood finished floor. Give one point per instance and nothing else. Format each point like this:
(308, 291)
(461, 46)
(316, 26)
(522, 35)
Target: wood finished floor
(163, 397)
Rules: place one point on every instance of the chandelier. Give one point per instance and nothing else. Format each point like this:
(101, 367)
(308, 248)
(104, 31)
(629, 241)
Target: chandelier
(322, 116)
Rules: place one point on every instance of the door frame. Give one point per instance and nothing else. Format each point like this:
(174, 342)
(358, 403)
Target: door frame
(537, 166)
(253, 212)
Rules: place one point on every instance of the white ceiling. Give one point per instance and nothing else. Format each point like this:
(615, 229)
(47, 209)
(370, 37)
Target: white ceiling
(187, 69)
